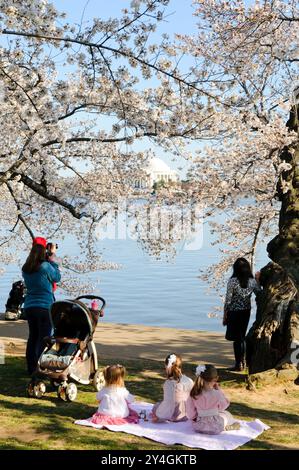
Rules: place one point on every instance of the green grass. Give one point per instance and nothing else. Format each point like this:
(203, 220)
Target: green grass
(48, 423)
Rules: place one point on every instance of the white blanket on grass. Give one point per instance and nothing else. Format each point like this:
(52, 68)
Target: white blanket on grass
(182, 433)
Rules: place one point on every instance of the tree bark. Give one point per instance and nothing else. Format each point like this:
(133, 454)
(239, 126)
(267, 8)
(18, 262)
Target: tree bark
(274, 336)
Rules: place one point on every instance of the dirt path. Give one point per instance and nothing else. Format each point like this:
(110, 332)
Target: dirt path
(137, 341)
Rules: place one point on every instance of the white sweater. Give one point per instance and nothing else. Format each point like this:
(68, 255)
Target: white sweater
(114, 401)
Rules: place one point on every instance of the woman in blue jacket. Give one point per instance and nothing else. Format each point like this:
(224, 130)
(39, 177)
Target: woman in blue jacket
(39, 275)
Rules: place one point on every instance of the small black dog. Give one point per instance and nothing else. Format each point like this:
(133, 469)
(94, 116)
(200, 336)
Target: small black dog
(15, 301)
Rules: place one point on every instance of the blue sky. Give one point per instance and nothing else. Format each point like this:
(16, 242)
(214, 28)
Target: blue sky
(179, 20)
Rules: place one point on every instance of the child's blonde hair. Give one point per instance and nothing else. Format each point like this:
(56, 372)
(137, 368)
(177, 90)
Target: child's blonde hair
(173, 364)
(114, 375)
(210, 373)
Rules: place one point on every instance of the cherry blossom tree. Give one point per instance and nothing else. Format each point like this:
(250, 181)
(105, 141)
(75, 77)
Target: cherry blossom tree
(75, 102)
(91, 94)
(246, 57)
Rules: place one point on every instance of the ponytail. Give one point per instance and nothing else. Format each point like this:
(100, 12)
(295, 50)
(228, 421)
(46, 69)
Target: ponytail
(173, 364)
(197, 387)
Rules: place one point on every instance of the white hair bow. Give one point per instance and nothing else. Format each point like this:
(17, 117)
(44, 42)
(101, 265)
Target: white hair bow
(171, 360)
(200, 369)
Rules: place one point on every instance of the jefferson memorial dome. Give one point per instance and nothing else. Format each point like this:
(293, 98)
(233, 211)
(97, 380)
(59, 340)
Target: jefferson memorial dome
(156, 171)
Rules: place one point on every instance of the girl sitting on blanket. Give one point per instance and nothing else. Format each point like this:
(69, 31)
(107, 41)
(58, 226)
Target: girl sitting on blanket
(176, 390)
(207, 404)
(114, 399)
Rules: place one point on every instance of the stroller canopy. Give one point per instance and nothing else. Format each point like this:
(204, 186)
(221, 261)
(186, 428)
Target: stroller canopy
(73, 319)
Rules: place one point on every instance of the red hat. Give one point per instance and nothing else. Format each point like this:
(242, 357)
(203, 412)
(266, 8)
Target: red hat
(40, 241)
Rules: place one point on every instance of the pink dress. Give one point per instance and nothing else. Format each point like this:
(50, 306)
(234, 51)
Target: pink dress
(208, 413)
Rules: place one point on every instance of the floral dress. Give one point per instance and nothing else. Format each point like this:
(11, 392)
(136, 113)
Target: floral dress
(238, 306)
(208, 412)
(237, 297)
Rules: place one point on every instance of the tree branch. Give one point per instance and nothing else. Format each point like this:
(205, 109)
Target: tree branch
(118, 52)
(4, 176)
(41, 191)
(20, 217)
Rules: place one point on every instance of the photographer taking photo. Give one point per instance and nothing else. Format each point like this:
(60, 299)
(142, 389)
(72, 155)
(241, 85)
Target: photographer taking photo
(41, 273)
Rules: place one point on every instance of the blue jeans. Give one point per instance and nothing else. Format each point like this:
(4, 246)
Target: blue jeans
(39, 326)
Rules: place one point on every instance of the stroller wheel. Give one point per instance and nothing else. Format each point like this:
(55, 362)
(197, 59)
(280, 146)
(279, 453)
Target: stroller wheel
(39, 389)
(71, 392)
(98, 381)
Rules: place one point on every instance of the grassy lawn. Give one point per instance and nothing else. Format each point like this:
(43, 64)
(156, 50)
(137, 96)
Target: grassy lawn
(28, 423)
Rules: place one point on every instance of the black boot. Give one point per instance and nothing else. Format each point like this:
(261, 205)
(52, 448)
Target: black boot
(239, 356)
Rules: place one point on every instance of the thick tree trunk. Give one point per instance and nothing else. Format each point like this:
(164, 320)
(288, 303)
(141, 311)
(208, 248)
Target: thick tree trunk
(274, 337)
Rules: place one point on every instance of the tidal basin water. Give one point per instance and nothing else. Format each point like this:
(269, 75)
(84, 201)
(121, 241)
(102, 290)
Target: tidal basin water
(150, 292)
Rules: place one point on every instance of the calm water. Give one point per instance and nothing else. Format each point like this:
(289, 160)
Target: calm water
(151, 292)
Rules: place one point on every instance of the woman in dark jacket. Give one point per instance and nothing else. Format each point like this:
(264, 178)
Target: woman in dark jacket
(39, 275)
(237, 307)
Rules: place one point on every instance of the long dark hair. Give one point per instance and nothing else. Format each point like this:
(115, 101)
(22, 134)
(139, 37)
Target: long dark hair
(36, 256)
(242, 271)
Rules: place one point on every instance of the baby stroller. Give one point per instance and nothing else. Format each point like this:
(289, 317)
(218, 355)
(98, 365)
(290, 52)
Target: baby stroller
(70, 354)
(13, 310)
